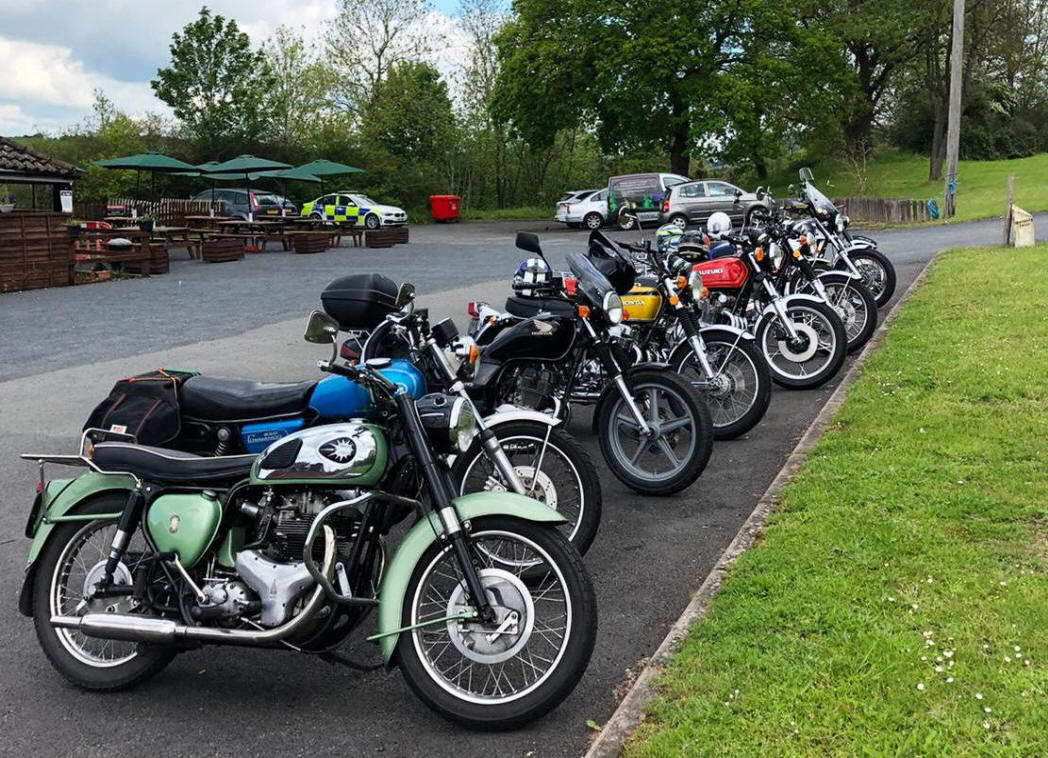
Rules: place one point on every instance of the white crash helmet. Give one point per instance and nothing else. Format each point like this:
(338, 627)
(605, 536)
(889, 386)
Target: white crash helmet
(533, 272)
(718, 224)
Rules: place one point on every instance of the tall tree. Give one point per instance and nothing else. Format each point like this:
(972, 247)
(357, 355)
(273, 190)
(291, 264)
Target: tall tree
(297, 101)
(365, 40)
(215, 83)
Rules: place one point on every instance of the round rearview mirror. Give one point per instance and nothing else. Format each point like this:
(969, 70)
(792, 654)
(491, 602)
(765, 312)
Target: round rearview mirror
(792, 189)
(806, 175)
(321, 328)
(405, 294)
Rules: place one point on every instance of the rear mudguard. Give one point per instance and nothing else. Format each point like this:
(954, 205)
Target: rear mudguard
(57, 503)
(397, 577)
(610, 388)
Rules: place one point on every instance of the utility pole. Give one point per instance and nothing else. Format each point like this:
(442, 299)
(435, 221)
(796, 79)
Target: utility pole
(953, 129)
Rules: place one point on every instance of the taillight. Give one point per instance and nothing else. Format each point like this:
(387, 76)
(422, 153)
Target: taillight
(254, 203)
(666, 204)
(471, 309)
(571, 285)
(40, 486)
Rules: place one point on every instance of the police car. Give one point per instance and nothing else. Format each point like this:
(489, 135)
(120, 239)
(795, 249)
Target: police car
(355, 208)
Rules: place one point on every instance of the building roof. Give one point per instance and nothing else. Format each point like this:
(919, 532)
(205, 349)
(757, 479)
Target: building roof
(21, 164)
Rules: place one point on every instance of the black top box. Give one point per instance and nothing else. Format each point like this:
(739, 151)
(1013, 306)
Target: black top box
(360, 301)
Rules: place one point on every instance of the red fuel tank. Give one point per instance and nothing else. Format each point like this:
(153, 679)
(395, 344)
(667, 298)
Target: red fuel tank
(722, 273)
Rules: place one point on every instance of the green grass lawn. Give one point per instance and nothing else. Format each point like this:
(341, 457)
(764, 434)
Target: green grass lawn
(525, 213)
(982, 186)
(897, 603)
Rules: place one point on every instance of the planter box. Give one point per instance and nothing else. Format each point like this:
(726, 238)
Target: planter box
(311, 242)
(221, 250)
(381, 238)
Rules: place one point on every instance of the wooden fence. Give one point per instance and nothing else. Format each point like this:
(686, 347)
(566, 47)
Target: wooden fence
(34, 250)
(169, 211)
(883, 210)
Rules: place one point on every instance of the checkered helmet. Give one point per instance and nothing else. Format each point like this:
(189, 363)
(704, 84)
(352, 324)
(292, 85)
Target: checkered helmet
(533, 271)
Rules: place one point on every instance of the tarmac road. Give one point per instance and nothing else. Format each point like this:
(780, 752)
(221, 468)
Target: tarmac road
(63, 348)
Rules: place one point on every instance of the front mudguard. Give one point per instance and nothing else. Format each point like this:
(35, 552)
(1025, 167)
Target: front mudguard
(401, 567)
(59, 502)
(509, 414)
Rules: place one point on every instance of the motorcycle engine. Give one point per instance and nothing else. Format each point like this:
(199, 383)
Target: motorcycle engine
(532, 386)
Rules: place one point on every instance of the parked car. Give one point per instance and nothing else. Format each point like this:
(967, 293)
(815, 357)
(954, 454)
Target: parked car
(634, 198)
(240, 202)
(588, 208)
(355, 207)
(694, 202)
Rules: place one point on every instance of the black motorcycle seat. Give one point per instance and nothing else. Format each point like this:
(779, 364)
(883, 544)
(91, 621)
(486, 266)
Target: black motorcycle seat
(526, 307)
(162, 465)
(216, 398)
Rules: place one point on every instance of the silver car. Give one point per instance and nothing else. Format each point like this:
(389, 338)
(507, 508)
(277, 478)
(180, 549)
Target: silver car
(694, 202)
(588, 208)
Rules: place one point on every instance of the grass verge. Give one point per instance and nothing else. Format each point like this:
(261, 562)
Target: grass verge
(897, 603)
(982, 186)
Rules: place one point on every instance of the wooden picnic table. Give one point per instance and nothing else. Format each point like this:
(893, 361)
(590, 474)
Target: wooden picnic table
(177, 236)
(205, 221)
(256, 231)
(121, 219)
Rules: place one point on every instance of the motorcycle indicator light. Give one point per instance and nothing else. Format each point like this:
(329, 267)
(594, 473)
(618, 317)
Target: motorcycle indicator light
(797, 254)
(803, 240)
(681, 282)
(759, 253)
(583, 311)
(674, 300)
(474, 353)
(471, 308)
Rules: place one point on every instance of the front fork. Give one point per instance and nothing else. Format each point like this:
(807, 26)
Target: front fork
(488, 439)
(690, 322)
(613, 370)
(779, 305)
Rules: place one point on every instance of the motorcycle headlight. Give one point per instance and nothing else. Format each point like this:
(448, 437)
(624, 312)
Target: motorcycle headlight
(842, 222)
(775, 255)
(613, 307)
(449, 422)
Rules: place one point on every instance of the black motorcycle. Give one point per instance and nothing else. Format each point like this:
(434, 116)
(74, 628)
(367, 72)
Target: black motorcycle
(655, 431)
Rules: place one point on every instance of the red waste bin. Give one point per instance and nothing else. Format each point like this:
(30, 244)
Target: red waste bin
(444, 207)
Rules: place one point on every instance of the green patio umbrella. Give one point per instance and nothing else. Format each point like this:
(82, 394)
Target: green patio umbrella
(152, 162)
(286, 175)
(323, 167)
(245, 165)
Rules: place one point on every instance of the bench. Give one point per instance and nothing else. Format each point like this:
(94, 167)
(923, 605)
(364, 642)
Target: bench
(221, 250)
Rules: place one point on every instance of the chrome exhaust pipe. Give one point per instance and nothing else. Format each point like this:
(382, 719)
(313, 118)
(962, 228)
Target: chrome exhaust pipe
(128, 628)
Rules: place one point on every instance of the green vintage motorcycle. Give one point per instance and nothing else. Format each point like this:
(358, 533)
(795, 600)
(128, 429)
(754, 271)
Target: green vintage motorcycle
(483, 604)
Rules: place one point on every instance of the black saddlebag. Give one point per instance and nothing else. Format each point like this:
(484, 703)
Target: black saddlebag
(144, 406)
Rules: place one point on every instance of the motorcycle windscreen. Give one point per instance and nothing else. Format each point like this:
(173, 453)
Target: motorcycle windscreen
(592, 284)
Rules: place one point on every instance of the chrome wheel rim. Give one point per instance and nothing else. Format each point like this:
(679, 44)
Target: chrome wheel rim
(850, 306)
(735, 384)
(669, 449)
(558, 483)
(819, 340)
(511, 658)
(873, 275)
(79, 567)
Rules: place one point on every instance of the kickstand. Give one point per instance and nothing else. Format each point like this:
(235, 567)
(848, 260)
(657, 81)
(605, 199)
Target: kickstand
(337, 659)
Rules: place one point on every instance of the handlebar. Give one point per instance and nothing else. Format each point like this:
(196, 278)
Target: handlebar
(360, 374)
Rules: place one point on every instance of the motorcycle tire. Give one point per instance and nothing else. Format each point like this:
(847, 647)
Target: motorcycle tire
(565, 466)
(744, 362)
(868, 261)
(786, 374)
(680, 398)
(74, 656)
(569, 661)
(859, 314)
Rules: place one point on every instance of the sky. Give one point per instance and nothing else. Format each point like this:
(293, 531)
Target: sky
(55, 53)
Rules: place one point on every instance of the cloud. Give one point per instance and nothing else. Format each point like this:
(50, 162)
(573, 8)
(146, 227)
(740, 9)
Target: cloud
(49, 75)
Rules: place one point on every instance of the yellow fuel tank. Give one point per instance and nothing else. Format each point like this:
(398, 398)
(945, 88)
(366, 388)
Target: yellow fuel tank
(642, 303)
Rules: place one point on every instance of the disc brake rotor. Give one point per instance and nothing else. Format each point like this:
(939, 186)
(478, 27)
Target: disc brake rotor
(514, 618)
(811, 344)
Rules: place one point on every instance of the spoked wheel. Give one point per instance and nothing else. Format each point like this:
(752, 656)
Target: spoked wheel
(678, 448)
(877, 272)
(817, 353)
(504, 674)
(71, 564)
(740, 391)
(556, 471)
(853, 302)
